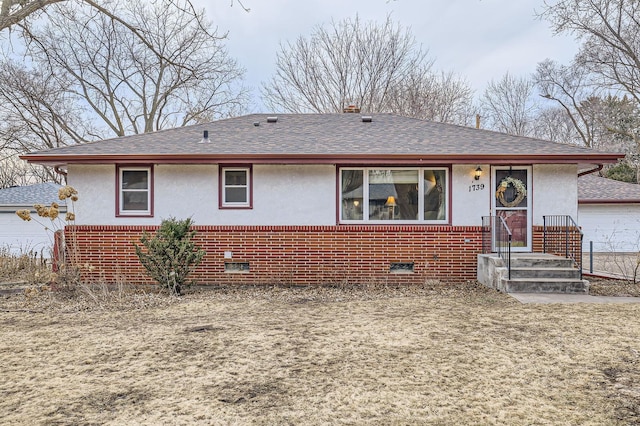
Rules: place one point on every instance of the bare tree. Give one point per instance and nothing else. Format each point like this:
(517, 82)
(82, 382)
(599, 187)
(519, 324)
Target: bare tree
(17, 13)
(509, 106)
(600, 119)
(350, 62)
(568, 86)
(90, 61)
(429, 96)
(15, 172)
(610, 34)
(13, 12)
(36, 112)
(86, 77)
(614, 122)
(246, 9)
(553, 124)
(609, 31)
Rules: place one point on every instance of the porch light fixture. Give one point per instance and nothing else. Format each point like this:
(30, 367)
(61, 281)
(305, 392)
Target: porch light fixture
(478, 173)
(205, 137)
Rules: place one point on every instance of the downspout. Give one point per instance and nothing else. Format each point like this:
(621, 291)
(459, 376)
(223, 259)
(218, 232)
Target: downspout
(58, 236)
(61, 172)
(588, 172)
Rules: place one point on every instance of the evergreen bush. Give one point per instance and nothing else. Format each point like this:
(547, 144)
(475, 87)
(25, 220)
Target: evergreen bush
(170, 255)
(622, 172)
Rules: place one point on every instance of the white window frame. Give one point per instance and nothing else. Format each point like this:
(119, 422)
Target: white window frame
(148, 211)
(365, 196)
(224, 186)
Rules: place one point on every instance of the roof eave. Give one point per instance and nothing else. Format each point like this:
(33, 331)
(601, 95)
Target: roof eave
(608, 201)
(11, 208)
(61, 160)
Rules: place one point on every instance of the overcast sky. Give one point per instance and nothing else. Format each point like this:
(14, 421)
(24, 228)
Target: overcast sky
(479, 40)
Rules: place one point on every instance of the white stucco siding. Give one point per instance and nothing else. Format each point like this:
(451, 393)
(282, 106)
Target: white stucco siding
(20, 237)
(286, 195)
(555, 191)
(282, 195)
(184, 191)
(297, 195)
(471, 199)
(96, 186)
(611, 227)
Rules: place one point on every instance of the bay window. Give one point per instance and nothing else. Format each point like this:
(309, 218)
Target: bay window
(380, 195)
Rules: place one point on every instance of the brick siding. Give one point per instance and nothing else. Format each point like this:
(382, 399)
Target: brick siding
(294, 254)
(558, 242)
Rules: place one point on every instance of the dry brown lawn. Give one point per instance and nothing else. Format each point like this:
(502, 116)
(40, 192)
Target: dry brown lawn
(445, 355)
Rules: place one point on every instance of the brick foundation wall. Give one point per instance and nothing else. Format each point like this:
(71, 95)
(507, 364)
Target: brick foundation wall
(557, 243)
(294, 254)
(538, 239)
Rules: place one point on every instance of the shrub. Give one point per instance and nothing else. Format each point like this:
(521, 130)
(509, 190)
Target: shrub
(622, 172)
(170, 254)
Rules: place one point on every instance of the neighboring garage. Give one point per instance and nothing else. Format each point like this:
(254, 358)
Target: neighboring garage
(18, 236)
(609, 214)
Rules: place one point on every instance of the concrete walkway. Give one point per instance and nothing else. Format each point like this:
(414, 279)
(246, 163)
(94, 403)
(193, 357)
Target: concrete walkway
(547, 298)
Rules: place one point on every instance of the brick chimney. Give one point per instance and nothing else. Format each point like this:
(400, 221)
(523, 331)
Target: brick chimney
(351, 109)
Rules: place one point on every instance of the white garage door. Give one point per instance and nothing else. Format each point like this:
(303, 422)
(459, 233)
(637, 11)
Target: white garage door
(611, 227)
(21, 237)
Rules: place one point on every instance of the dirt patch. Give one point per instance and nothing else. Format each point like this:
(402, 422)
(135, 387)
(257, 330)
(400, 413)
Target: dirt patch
(623, 386)
(436, 354)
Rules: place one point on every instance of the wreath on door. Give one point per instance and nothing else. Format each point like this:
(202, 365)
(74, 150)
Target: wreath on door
(521, 191)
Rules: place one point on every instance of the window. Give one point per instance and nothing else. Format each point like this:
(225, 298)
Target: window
(134, 191)
(235, 189)
(394, 194)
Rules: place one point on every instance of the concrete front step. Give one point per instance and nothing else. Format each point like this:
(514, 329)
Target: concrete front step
(540, 261)
(545, 272)
(531, 273)
(545, 285)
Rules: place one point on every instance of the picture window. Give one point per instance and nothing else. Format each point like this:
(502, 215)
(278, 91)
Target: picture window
(381, 195)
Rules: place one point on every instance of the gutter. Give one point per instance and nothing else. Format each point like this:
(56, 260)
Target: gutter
(318, 158)
(12, 208)
(588, 172)
(609, 201)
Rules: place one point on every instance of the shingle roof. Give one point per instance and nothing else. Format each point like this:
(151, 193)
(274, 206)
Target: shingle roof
(41, 193)
(326, 137)
(593, 189)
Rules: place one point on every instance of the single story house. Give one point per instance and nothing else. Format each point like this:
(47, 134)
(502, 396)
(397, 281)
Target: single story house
(319, 198)
(609, 214)
(20, 237)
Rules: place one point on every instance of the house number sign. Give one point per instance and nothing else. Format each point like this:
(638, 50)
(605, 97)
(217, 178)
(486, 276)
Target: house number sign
(476, 187)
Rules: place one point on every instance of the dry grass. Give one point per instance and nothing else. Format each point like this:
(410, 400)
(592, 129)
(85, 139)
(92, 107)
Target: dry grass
(28, 267)
(375, 355)
(608, 287)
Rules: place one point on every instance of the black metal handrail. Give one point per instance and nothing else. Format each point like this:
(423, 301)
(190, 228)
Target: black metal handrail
(563, 237)
(496, 237)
